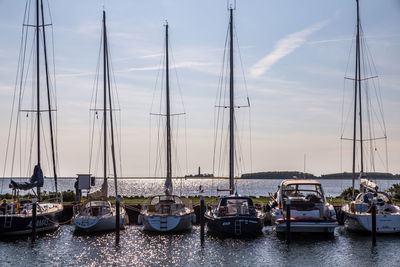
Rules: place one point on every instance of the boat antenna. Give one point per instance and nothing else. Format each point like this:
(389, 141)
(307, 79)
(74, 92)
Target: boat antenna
(168, 181)
(231, 110)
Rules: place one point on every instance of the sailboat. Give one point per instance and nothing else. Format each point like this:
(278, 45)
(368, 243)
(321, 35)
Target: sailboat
(357, 213)
(97, 214)
(168, 212)
(16, 216)
(235, 215)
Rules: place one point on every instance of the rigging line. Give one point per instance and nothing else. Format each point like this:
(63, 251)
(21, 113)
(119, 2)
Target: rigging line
(20, 72)
(93, 104)
(158, 148)
(218, 100)
(14, 98)
(372, 69)
(151, 109)
(343, 124)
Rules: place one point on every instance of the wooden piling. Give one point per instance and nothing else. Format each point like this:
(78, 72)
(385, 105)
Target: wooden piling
(202, 223)
(288, 221)
(117, 220)
(34, 204)
(373, 215)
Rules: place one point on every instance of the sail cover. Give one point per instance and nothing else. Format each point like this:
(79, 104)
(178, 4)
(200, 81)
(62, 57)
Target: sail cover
(99, 194)
(35, 181)
(367, 185)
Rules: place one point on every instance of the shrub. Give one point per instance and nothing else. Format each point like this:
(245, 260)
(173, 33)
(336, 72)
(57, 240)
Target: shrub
(346, 194)
(394, 191)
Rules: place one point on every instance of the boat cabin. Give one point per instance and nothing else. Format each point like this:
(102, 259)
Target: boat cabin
(97, 208)
(233, 205)
(165, 205)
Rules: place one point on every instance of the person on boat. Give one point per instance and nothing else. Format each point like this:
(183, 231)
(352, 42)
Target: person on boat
(367, 197)
(3, 206)
(78, 191)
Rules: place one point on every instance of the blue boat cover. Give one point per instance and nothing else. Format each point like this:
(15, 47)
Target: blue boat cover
(35, 181)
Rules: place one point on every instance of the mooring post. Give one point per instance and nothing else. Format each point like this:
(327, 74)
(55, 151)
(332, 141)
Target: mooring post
(117, 222)
(373, 214)
(202, 210)
(288, 221)
(34, 204)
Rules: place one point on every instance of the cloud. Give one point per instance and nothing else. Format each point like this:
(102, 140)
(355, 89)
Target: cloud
(187, 64)
(284, 47)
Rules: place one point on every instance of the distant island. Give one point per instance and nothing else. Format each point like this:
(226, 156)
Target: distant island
(290, 174)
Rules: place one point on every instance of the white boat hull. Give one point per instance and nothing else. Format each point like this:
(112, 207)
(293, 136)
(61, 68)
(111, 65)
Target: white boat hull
(167, 223)
(362, 222)
(98, 224)
(307, 227)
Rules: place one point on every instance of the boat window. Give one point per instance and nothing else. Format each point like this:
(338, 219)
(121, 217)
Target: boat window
(236, 206)
(302, 190)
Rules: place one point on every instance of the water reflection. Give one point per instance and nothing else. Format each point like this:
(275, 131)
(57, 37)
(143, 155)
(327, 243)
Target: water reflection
(64, 247)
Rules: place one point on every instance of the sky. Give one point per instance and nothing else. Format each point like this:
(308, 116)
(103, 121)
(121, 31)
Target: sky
(294, 56)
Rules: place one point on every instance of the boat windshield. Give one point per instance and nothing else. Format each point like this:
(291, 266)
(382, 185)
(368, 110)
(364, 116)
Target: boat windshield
(232, 206)
(165, 199)
(302, 190)
(97, 204)
(379, 197)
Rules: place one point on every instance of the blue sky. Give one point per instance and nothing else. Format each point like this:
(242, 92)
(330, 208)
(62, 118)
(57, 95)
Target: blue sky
(294, 56)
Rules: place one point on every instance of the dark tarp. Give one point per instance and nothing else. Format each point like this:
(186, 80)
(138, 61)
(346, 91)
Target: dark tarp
(35, 181)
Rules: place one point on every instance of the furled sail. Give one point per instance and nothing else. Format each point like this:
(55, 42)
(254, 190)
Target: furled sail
(367, 185)
(168, 186)
(35, 181)
(99, 194)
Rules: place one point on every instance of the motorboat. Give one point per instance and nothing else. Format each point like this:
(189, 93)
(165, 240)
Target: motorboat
(309, 210)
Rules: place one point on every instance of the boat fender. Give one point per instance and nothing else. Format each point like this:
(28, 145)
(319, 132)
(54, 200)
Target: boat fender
(352, 207)
(139, 219)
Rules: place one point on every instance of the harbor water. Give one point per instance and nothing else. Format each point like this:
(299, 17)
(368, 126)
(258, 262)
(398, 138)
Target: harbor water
(131, 187)
(64, 247)
(136, 248)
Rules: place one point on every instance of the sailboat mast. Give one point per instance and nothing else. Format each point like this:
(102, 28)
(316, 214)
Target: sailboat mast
(231, 112)
(169, 166)
(356, 82)
(359, 90)
(105, 95)
(49, 102)
(111, 121)
(38, 90)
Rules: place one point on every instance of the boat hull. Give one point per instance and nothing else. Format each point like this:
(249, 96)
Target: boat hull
(307, 227)
(234, 225)
(90, 224)
(385, 223)
(20, 224)
(167, 223)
